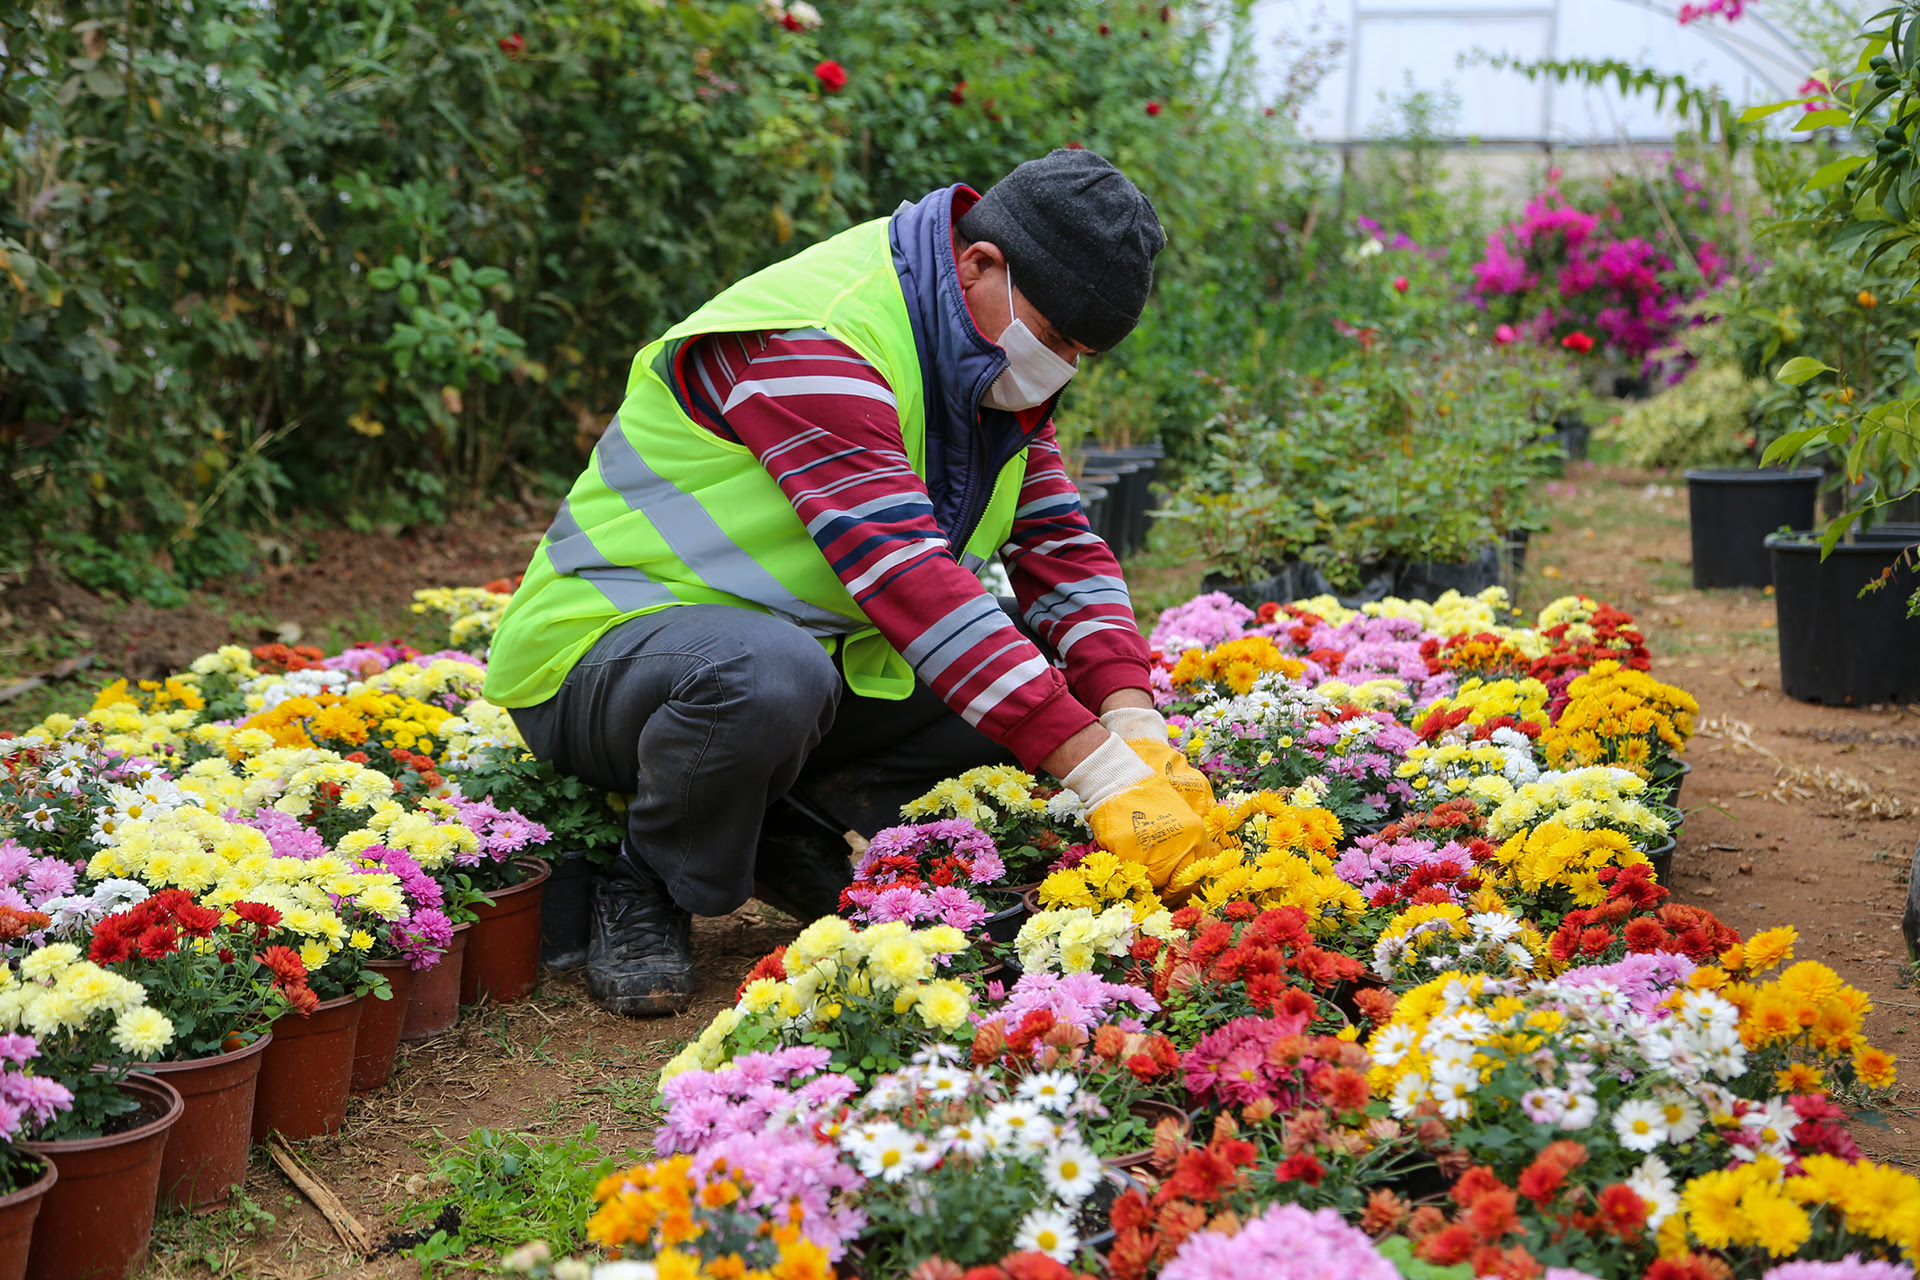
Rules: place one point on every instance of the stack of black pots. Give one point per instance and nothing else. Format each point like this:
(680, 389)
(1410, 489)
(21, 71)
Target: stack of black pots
(1116, 492)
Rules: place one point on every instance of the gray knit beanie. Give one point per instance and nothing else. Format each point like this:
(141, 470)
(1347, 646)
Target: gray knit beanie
(1079, 239)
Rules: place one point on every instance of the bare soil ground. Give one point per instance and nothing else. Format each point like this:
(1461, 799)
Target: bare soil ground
(1781, 829)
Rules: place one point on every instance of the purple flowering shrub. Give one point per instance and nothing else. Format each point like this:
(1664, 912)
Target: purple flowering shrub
(1563, 275)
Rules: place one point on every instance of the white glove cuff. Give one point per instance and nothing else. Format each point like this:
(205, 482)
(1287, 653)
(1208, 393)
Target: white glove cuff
(1111, 768)
(1132, 723)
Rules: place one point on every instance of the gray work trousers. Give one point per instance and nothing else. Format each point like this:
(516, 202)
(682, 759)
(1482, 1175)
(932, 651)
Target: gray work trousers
(708, 714)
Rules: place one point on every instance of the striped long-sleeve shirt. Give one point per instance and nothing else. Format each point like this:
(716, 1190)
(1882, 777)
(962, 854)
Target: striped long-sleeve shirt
(823, 422)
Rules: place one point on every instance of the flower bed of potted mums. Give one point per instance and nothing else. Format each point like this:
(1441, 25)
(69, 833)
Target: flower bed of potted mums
(205, 881)
(1426, 1011)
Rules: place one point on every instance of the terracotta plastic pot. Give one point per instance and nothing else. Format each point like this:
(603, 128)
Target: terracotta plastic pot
(94, 1222)
(378, 1041)
(207, 1150)
(503, 953)
(434, 1006)
(17, 1212)
(306, 1072)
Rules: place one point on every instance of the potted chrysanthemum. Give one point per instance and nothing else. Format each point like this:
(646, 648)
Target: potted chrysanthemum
(93, 1028)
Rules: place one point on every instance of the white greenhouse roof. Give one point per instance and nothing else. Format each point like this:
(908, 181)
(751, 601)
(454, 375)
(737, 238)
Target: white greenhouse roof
(1391, 43)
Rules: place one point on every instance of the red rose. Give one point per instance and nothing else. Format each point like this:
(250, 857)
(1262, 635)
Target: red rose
(1400, 284)
(1153, 108)
(1577, 342)
(514, 45)
(831, 75)
(959, 94)
(792, 23)
(1105, 30)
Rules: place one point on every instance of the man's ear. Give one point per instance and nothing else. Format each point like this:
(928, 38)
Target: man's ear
(975, 260)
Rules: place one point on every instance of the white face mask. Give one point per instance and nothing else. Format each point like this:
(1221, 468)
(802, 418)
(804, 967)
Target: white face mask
(1033, 372)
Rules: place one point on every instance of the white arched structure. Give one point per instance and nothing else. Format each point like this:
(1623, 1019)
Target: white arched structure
(1393, 43)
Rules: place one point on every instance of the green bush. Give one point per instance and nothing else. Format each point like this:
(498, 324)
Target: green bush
(1705, 420)
(1411, 452)
(381, 260)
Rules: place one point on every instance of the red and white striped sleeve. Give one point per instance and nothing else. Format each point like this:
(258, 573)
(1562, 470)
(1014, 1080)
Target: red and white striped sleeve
(824, 424)
(1069, 584)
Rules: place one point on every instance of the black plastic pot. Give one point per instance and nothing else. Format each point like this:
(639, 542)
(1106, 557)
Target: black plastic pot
(566, 911)
(1514, 546)
(1145, 460)
(1094, 502)
(1661, 856)
(1010, 912)
(1572, 435)
(1733, 510)
(1427, 580)
(1836, 645)
(1665, 784)
(1122, 493)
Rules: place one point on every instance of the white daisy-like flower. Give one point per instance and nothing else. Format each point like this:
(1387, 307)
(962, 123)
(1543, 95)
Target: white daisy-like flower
(1409, 1091)
(965, 1139)
(1640, 1124)
(882, 1150)
(1582, 1110)
(1047, 1231)
(1393, 1043)
(40, 819)
(1454, 1087)
(1653, 1183)
(1050, 1089)
(1071, 1171)
(1679, 1114)
(945, 1084)
(1016, 1124)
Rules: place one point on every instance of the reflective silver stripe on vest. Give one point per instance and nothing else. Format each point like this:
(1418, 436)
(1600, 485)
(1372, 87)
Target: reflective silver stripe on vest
(700, 543)
(570, 551)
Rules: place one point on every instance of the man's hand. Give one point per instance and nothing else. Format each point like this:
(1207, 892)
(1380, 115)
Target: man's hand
(1145, 730)
(1135, 812)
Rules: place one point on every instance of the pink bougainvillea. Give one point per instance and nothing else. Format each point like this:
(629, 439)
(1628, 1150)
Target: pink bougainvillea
(1564, 276)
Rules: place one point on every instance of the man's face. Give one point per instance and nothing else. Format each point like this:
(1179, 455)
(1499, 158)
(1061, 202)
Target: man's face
(984, 281)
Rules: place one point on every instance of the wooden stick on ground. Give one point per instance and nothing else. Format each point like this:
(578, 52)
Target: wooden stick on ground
(344, 1224)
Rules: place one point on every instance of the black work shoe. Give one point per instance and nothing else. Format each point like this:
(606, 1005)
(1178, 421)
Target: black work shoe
(640, 961)
(803, 862)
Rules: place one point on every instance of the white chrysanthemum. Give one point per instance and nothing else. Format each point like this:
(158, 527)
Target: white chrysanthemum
(1071, 1172)
(1047, 1231)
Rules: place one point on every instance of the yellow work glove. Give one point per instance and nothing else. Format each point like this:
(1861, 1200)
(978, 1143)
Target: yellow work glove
(1145, 730)
(1135, 812)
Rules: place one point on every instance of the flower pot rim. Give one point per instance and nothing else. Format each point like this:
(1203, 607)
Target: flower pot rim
(1804, 540)
(1752, 475)
(259, 1045)
(139, 1081)
(541, 868)
(397, 962)
(49, 1174)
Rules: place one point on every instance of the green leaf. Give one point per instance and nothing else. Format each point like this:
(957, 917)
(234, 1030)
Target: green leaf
(382, 278)
(1836, 531)
(1802, 369)
(1762, 112)
(1789, 444)
(1828, 174)
(1828, 118)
